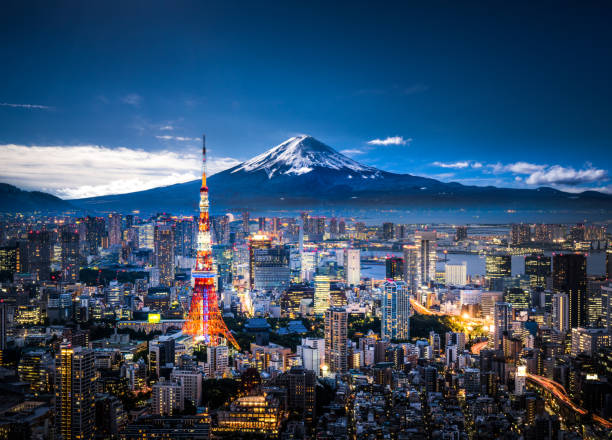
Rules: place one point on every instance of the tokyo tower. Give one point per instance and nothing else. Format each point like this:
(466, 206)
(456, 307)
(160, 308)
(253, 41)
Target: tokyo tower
(204, 321)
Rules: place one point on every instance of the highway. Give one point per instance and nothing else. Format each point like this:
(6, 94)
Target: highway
(478, 346)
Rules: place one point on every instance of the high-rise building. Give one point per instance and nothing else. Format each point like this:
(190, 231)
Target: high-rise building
(246, 223)
(352, 264)
(560, 311)
(606, 306)
(146, 236)
(411, 268)
(501, 319)
(336, 345)
(588, 341)
(218, 358)
(164, 254)
(256, 242)
(96, 232)
(168, 398)
(11, 259)
(609, 264)
(191, 382)
(395, 322)
(487, 303)
(537, 268)
(114, 229)
(184, 236)
(520, 234)
(35, 368)
(388, 231)
(595, 300)
(261, 224)
(461, 233)
(321, 294)
(300, 384)
(70, 255)
(161, 353)
(517, 297)
(74, 393)
(39, 254)
(569, 276)
(271, 268)
(426, 256)
(455, 274)
(394, 268)
(498, 267)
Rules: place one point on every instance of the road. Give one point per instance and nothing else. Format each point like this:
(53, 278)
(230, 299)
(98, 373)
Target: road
(478, 346)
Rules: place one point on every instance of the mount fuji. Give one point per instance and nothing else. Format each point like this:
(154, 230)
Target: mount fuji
(304, 173)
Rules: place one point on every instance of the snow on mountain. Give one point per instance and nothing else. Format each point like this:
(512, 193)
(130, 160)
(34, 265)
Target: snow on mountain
(301, 155)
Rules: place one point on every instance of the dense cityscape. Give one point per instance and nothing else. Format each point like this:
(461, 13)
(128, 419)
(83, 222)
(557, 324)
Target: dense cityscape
(129, 326)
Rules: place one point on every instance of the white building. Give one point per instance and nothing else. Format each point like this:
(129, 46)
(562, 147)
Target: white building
(560, 305)
(191, 382)
(321, 295)
(168, 398)
(352, 266)
(455, 274)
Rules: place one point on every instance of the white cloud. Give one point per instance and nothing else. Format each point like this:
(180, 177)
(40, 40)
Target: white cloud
(393, 140)
(558, 175)
(352, 152)
(132, 99)
(175, 138)
(166, 128)
(77, 171)
(456, 165)
(28, 106)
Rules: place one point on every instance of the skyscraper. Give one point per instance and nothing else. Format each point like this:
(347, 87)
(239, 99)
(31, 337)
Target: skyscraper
(560, 312)
(271, 268)
(426, 256)
(11, 259)
(96, 231)
(520, 234)
(394, 268)
(517, 297)
(114, 228)
(388, 232)
(39, 254)
(395, 323)
(537, 268)
(74, 393)
(502, 318)
(461, 233)
(498, 267)
(70, 255)
(321, 295)
(455, 274)
(411, 268)
(164, 254)
(353, 267)
(336, 321)
(256, 242)
(569, 276)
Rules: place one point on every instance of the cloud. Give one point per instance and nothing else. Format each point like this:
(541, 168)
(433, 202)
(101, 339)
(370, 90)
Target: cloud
(456, 165)
(352, 152)
(28, 106)
(166, 128)
(132, 99)
(76, 171)
(558, 175)
(516, 168)
(175, 138)
(394, 140)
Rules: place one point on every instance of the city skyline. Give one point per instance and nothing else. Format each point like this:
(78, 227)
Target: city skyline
(514, 97)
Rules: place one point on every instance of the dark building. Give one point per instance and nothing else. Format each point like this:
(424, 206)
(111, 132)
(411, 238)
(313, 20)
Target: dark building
(388, 232)
(300, 384)
(10, 259)
(70, 255)
(259, 328)
(569, 276)
(291, 298)
(39, 254)
(461, 233)
(164, 254)
(184, 237)
(394, 268)
(497, 268)
(537, 268)
(520, 234)
(96, 231)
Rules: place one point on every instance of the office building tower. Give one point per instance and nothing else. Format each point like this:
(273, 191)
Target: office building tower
(35, 367)
(520, 234)
(218, 358)
(609, 264)
(261, 222)
(39, 254)
(70, 255)
(74, 393)
(333, 227)
(271, 268)
(589, 341)
(569, 276)
(184, 237)
(487, 303)
(336, 343)
(352, 265)
(606, 307)
(501, 320)
(168, 398)
(246, 223)
(114, 229)
(461, 233)
(292, 298)
(321, 294)
(395, 322)
(394, 268)
(411, 268)
(471, 380)
(455, 274)
(191, 383)
(164, 254)
(426, 256)
(146, 236)
(256, 243)
(520, 379)
(337, 296)
(96, 232)
(498, 267)
(560, 312)
(161, 353)
(595, 300)
(300, 384)
(517, 297)
(11, 259)
(388, 231)
(537, 268)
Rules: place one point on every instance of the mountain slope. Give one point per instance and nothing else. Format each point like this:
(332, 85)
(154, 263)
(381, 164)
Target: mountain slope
(303, 173)
(13, 199)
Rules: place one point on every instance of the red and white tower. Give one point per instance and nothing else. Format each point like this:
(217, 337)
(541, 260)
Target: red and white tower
(204, 321)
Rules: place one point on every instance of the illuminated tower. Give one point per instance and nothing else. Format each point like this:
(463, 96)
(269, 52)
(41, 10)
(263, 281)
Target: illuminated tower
(204, 321)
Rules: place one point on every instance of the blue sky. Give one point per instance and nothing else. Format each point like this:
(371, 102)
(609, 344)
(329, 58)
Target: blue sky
(104, 97)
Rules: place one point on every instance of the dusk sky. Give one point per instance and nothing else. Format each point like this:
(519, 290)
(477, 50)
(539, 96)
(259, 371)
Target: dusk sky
(109, 97)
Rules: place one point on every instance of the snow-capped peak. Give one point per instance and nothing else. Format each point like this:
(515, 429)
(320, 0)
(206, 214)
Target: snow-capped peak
(300, 155)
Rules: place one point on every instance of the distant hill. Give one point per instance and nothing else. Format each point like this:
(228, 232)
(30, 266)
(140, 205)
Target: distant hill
(303, 173)
(13, 199)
